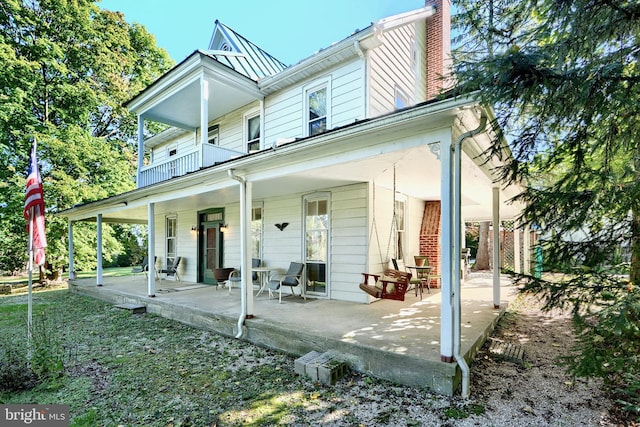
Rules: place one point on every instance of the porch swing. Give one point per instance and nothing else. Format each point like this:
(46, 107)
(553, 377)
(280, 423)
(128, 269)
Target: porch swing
(392, 283)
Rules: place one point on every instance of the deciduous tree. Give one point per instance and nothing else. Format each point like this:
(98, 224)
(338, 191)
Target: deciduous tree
(66, 68)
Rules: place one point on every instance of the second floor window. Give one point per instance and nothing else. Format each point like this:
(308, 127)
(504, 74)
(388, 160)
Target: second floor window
(253, 134)
(317, 110)
(213, 135)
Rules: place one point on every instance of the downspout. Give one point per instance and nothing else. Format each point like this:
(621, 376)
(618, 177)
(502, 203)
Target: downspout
(457, 247)
(243, 294)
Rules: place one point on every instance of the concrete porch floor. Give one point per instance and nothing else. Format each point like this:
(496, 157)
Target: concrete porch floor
(393, 340)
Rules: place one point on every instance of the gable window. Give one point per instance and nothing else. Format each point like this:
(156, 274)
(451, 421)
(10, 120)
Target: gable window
(252, 126)
(213, 134)
(317, 105)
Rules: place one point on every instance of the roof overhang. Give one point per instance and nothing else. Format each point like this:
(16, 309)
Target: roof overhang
(176, 97)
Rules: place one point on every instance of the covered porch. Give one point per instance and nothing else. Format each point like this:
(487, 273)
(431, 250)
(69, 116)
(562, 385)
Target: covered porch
(393, 340)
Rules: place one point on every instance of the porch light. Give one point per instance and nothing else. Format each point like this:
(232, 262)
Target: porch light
(224, 228)
(193, 228)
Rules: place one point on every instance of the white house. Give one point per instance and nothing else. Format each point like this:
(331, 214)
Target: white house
(349, 148)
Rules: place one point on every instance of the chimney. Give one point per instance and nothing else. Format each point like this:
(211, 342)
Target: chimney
(438, 48)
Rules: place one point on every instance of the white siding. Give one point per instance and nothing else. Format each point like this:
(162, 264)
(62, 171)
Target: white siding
(283, 110)
(349, 241)
(186, 245)
(184, 144)
(391, 64)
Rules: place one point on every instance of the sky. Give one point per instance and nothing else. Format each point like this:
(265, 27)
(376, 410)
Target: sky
(289, 30)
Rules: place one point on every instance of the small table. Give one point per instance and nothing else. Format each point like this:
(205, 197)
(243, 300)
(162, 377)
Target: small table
(264, 277)
(422, 273)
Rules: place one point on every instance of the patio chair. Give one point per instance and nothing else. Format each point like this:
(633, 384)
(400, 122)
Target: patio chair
(292, 278)
(143, 267)
(173, 269)
(236, 275)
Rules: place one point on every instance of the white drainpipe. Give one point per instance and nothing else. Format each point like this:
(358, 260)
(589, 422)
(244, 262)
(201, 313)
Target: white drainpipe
(243, 293)
(457, 247)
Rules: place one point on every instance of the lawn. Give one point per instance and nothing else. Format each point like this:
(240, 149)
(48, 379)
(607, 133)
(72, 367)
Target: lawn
(144, 370)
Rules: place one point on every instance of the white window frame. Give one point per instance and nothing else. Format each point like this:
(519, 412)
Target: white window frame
(400, 228)
(400, 95)
(257, 229)
(213, 131)
(306, 199)
(251, 114)
(168, 256)
(324, 83)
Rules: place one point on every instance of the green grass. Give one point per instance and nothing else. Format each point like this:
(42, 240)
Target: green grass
(107, 272)
(144, 370)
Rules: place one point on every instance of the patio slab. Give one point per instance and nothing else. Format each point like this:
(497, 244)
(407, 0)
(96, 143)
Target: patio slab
(394, 340)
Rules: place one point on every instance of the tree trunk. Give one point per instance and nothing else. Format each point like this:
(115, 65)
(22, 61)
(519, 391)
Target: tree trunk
(482, 257)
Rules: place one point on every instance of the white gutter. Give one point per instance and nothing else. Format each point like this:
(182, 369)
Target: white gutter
(457, 247)
(243, 284)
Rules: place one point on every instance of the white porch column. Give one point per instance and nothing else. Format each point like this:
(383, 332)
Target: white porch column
(140, 149)
(516, 247)
(496, 247)
(72, 272)
(446, 214)
(245, 249)
(151, 247)
(99, 250)
(204, 117)
(527, 250)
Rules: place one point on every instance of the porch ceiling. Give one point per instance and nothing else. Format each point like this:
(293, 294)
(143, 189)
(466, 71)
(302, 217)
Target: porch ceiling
(182, 108)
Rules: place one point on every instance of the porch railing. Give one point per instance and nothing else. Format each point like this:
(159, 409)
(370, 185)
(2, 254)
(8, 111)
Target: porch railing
(182, 165)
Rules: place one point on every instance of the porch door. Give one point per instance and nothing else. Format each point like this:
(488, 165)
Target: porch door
(316, 243)
(210, 250)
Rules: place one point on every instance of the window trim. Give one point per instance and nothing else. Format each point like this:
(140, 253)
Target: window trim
(251, 114)
(308, 89)
(315, 197)
(172, 217)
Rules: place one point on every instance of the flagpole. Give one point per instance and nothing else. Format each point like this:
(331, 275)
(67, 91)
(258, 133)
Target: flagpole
(29, 297)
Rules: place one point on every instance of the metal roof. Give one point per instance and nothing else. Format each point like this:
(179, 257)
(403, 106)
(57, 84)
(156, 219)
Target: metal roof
(241, 55)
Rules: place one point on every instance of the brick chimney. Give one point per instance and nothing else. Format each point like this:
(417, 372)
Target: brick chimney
(430, 239)
(438, 47)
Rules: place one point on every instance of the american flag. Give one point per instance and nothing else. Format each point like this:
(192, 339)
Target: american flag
(34, 210)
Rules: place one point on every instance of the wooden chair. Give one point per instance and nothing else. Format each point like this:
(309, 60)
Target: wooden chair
(392, 284)
(292, 278)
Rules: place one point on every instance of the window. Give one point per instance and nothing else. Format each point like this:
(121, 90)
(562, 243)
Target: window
(401, 98)
(316, 244)
(172, 167)
(213, 134)
(171, 238)
(253, 133)
(317, 107)
(256, 232)
(399, 225)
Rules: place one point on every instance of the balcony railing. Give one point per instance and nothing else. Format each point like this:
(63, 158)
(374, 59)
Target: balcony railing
(182, 165)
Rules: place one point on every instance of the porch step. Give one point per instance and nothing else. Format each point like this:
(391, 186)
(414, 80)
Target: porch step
(507, 351)
(326, 367)
(133, 308)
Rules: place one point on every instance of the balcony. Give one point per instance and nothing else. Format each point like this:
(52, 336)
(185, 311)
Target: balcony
(201, 157)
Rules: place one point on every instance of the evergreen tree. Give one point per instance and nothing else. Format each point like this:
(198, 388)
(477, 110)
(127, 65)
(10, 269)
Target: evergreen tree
(563, 77)
(66, 68)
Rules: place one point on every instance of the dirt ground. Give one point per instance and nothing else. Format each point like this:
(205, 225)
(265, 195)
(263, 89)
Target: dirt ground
(538, 392)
